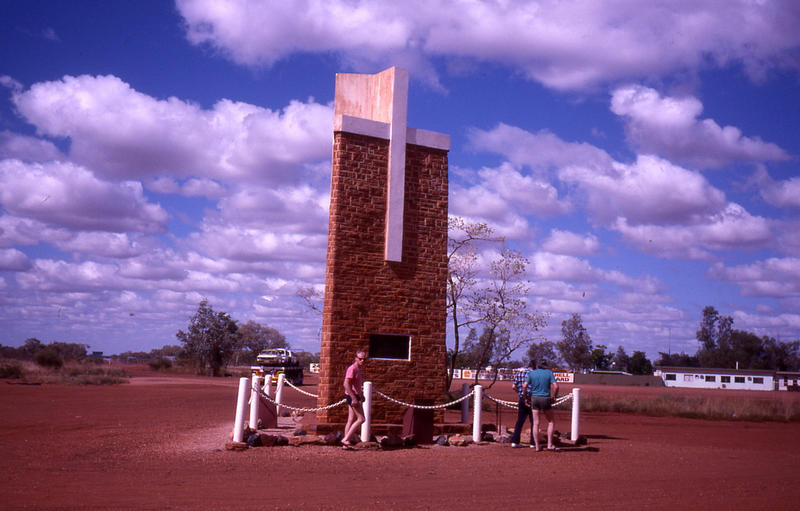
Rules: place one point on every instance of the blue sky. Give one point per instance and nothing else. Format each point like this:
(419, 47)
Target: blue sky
(642, 155)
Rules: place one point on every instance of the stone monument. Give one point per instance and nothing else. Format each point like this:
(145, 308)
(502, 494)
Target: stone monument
(386, 270)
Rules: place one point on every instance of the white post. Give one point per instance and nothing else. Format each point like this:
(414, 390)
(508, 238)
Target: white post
(279, 394)
(267, 383)
(254, 399)
(476, 414)
(241, 403)
(576, 410)
(367, 406)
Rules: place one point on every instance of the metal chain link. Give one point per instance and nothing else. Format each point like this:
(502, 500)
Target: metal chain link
(562, 399)
(299, 389)
(265, 395)
(557, 401)
(509, 404)
(423, 407)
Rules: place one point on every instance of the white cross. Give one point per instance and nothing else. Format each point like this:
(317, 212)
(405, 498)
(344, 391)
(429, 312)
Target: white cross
(381, 97)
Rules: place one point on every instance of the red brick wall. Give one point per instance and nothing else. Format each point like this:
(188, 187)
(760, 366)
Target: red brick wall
(365, 294)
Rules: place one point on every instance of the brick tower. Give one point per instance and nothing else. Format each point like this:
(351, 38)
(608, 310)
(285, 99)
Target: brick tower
(386, 268)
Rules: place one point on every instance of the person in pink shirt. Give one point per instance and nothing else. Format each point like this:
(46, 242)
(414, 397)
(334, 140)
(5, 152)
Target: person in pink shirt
(352, 389)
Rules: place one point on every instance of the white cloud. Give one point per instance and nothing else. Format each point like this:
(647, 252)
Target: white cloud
(10, 83)
(564, 45)
(781, 194)
(540, 151)
(283, 209)
(788, 236)
(13, 260)
(646, 285)
(262, 33)
(526, 194)
(767, 324)
(731, 228)
(52, 275)
(120, 132)
(106, 244)
(659, 207)
(547, 266)
(63, 194)
(250, 244)
(776, 277)
(193, 187)
(671, 127)
(155, 265)
(15, 231)
(570, 243)
(21, 147)
(50, 34)
(563, 269)
(651, 190)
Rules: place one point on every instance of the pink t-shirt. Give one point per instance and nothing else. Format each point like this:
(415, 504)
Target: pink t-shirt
(354, 373)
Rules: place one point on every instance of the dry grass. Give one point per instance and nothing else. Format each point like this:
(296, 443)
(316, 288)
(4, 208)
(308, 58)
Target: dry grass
(775, 407)
(71, 373)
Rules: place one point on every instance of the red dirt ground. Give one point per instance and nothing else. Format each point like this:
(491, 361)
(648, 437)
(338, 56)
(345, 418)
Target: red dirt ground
(158, 443)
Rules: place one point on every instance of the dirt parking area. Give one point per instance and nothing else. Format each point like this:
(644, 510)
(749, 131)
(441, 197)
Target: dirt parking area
(158, 443)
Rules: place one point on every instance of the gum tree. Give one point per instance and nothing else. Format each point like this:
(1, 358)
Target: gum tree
(502, 307)
(462, 264)
(576, 345)
(211, 338)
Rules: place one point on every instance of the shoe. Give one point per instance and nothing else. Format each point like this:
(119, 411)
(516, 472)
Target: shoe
(515, 446)
(533, 446)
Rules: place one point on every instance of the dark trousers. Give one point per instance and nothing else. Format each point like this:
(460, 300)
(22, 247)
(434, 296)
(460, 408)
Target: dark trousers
(524, 412)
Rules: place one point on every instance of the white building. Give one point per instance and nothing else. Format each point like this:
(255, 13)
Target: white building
(787, 380)
(707, 378)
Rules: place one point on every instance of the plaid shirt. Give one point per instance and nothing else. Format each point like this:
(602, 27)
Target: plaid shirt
(520, 377)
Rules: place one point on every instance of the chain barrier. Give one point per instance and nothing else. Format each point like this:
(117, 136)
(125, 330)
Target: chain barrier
(298, 389)
(562, 399)
(511, 404)
(265, 395)
(557, 401)
(423, 407)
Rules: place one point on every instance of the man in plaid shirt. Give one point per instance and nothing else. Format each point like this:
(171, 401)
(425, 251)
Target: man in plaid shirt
(524, 411)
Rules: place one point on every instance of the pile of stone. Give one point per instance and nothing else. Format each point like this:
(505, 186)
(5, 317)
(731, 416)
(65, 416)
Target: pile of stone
(300, 437)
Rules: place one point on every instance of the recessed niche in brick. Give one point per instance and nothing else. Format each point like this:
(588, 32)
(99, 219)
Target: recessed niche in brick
(394, 347)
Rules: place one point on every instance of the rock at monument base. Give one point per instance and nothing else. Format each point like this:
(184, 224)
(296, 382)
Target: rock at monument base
(460, 440)
(306, 440)
(254, 440)
(409, 441)
(390, 442)
(236, 446)
(333, 438)
(268, 440)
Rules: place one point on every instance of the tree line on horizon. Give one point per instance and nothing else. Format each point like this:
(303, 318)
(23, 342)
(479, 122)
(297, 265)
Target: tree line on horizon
(720, 346)
(212, 341)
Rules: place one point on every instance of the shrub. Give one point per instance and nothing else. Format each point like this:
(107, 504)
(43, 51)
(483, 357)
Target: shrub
(48, 358)
(12, 371)
(161, 364)
(699, 407)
